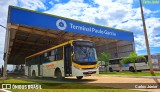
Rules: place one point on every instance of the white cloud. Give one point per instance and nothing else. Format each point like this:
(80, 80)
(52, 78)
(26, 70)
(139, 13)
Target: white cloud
(152, 25)
(32, 4)
(3, 19)
(72, 9)
(57, 0)
(111, 13)
(153, 30)
(51, 2)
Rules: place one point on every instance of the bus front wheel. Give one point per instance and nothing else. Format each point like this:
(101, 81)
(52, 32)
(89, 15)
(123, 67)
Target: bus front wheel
(79, 77)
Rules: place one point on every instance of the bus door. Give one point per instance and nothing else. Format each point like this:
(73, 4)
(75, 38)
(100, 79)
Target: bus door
(29, 70)
(67, 60)
(28, 64)
(40, 70)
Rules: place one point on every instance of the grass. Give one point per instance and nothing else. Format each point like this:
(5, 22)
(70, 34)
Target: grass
(130, 73)
(11, 80)
(77, 90)
(64, 87)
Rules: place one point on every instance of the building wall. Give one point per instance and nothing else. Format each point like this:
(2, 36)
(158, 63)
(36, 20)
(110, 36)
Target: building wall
(158, 57)
(116, 49)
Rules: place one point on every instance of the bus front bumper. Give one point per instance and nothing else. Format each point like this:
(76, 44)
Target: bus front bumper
(84, 72)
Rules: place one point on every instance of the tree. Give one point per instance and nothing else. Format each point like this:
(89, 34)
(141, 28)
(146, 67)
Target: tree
(104, 57)
(132, 58)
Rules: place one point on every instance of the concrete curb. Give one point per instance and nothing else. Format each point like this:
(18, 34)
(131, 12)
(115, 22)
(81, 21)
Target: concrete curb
(152, 77)
(4, 90)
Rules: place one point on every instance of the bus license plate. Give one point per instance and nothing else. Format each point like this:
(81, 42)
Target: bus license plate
(89, 71)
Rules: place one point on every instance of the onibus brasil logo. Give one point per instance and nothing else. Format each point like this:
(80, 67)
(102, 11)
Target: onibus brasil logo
(61, 24)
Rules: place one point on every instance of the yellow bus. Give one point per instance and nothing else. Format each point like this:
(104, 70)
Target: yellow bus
(73, 58)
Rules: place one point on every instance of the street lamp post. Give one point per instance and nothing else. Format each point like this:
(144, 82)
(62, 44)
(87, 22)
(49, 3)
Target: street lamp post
(146, 39)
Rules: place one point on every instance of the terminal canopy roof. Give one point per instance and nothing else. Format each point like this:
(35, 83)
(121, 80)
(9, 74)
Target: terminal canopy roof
(30, 32)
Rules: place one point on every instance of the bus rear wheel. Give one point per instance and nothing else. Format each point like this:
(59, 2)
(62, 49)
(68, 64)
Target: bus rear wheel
(131, 69)
(59, 75)
(79, 77)
(110, 69)
(33, 74)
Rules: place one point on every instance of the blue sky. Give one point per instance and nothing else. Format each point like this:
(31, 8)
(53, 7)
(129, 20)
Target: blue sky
(121, 14)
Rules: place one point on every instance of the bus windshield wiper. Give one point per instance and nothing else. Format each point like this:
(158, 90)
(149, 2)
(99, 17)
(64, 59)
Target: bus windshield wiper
(83, 51)
(87, 53)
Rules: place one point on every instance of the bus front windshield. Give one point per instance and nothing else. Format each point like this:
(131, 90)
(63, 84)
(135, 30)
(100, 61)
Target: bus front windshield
(84, 54)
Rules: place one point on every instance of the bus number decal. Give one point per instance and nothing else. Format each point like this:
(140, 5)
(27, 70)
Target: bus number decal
(49, 66)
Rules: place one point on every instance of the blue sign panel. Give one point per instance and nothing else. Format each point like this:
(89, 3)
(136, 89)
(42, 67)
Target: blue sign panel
(34, 19)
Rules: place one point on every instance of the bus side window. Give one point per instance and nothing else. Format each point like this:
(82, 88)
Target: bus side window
(45, 54)
(42, 58)
(49, 54)
(52, 55)
(56, 54)
(36, 60)
(27, 62)
(111, 62)
(46, 57)
(139, 60)
(33, 60)
(59, 53)
(142, 60)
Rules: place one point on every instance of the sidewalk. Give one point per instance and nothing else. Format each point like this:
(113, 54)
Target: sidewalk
(152, 77)
(117, 82)
(4, 90)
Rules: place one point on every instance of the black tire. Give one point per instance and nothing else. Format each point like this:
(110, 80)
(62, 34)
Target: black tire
(110, 69)
(59, 75)
(33, 74)
(139, 70)
(131, 69)
(79, 77)
(117, 71)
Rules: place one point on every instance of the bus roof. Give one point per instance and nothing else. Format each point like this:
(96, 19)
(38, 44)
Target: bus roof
(117, 58)
(50, 49)
(62, 44)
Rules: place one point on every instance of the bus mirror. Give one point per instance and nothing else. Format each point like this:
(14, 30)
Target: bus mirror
(72, 50)
(72, 54)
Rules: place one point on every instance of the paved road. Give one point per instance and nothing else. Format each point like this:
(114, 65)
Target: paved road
(122, 82)
(111, 81)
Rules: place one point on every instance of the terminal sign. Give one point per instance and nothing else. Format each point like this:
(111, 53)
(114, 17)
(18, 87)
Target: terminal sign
(40, 20)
